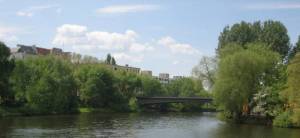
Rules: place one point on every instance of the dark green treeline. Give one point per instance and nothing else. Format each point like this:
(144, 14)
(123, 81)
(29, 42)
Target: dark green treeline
(54, 85)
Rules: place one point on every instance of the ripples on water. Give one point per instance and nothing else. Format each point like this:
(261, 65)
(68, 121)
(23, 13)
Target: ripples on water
(145, 125)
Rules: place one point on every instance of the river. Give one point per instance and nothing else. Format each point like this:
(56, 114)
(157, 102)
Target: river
(143, 125)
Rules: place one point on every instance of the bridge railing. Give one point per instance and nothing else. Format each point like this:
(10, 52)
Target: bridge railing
(159, 100)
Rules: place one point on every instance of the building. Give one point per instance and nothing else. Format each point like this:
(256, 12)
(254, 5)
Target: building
(23, 51)
(146, 72)
(42, 51)
(164, 78)
(177, 77)
(126, 68)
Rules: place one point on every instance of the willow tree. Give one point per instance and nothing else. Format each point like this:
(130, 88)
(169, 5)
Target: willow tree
(241, 73)
(292, 93)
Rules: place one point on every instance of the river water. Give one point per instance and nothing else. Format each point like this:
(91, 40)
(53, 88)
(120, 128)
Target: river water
(142, 125)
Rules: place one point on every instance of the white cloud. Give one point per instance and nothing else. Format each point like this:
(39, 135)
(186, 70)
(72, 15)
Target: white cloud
(69, 34)
(127, 8)
(175, 62)
(177, 48)
(8, 34)
(29, 12)
(123, 57)
(80, 39)
(273, 6)
(127, 48)
(107, 40)
(136, 47)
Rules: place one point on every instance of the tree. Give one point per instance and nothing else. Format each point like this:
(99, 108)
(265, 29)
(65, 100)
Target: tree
(241, 74)
(113, 61)
(6, 67)
(293, 90)
(186, 87)
(240, 33)
(96, 86)
(76, 58)
(151, 87)
(205, 71)
(272, 33)
(294, 49)
(298, 44)
(128, 85)
(108, 59)
(89, 59)
(45, 85)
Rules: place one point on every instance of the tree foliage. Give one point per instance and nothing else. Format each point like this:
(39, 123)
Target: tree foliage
(186, 87)
(242, 72)
(45, 85)
(95, 85)
(110, 60)
(6, 67)
(293, 89)
(206, 70)
(151, 87)
(272, 33)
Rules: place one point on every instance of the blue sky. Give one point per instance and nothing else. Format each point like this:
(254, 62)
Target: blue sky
(162, 36)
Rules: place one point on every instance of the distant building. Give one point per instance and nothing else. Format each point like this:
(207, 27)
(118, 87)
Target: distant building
(126, 68)
(164, 78)
(42, 51)
(177, 77)
(146, 72)
(22, 51)
(56, 51)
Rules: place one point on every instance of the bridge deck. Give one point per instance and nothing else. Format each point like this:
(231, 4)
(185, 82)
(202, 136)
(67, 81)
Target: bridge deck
(159, 100)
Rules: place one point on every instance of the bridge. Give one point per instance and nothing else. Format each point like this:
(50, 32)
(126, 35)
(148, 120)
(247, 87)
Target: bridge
(161, 100)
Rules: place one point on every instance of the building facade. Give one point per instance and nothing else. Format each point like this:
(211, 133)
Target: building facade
(126, 68)
(164, 78)
(146, 72)
(23, 51)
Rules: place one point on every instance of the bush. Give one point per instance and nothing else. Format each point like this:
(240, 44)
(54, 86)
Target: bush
(45, 85)
(283, 120)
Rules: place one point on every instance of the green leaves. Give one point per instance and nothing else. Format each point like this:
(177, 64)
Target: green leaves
(45, 85)
(241, 73)
(272, 33)
(6, 67)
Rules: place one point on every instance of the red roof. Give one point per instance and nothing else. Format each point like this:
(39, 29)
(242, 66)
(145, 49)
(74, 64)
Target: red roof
(42, 51)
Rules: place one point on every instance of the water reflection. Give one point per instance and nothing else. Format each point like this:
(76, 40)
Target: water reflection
(150, 125)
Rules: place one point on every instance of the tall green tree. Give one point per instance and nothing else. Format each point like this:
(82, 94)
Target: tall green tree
(108, 59)
(95, 86)
(241, 73)
(45, 85)
(272, 33)
(151, 87)
(113, 61)
(186, 87)
(6, 67)
(293, 90)
(295, 49)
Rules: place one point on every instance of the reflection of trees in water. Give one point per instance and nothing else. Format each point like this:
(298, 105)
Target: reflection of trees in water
(6, 126)
(228, 130)
(135, 125)
(105, 124)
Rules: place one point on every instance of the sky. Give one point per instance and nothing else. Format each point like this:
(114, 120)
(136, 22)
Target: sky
(168, 36)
